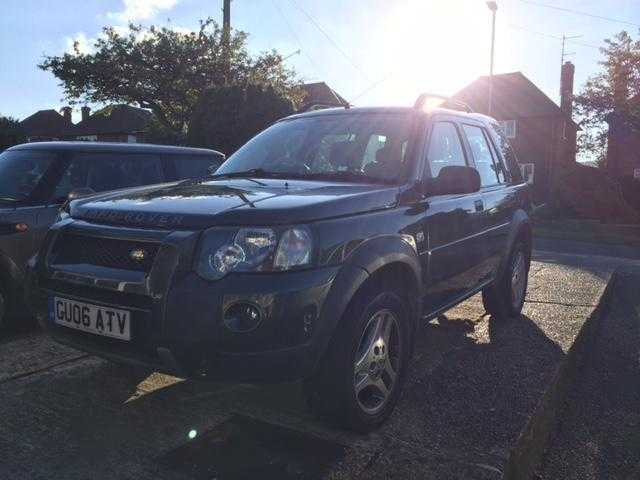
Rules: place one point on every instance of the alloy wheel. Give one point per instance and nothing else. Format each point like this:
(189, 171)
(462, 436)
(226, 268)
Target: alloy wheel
(518, 278)
(377, 361)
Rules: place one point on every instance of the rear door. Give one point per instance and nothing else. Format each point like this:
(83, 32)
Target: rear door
(450, 222)
(21, 230)
(495, 216)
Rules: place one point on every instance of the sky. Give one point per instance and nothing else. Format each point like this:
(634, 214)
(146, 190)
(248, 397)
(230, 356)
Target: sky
(372, 52)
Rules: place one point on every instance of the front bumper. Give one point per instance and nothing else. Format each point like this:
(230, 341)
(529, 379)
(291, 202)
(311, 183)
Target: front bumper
(177, 316)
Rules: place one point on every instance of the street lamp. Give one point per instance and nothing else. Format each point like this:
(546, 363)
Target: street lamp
(493, 6)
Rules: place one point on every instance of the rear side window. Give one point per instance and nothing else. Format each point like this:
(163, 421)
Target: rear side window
(506, 151)
(445, 148)
(193, 166)
(489, 170)
(108, 171)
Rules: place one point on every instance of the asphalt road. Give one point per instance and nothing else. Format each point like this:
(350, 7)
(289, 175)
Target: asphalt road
(472, 386)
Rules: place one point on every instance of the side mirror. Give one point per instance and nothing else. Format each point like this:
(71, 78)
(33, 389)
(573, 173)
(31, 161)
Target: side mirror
(79, 193)
(455, 179)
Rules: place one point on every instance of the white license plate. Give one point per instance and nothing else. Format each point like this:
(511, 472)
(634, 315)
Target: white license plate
(97, 319)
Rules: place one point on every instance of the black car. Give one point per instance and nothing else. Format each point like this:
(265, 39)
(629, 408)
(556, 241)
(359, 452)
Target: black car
(314, 253)
(37, 178)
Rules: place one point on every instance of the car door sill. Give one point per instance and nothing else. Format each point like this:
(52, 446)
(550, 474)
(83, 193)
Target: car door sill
(458, 300)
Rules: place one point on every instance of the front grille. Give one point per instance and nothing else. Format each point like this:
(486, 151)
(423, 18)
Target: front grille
(104, 252)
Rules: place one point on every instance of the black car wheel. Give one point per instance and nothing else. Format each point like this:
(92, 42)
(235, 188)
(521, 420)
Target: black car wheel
(505, 297)
(360, 378)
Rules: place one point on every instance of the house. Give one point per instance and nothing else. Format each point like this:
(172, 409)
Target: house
(115, 123)
(623, 140)
(45, 125)
(319, 95)
(542, 133)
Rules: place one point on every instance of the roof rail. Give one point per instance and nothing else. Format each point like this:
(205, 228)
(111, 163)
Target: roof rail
(423, 97)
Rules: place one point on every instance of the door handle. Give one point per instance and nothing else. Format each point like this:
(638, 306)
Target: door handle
(479, 205)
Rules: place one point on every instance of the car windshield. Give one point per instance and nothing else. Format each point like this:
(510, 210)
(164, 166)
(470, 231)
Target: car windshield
(20, 173)
(368, 147)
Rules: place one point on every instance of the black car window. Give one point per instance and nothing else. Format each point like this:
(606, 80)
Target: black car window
(108, 171)
(483, 159)
(506, 151)
(445, 148)
(21, 171)
(194, 166)
(344, 147)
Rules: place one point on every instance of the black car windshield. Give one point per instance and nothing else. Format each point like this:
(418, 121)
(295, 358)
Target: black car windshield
(20, 172)
(350, 147)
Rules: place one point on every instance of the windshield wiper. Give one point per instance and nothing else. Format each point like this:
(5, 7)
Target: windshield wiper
(246, 174)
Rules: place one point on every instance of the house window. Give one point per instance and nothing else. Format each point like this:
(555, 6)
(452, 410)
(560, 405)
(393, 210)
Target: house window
(509, 128)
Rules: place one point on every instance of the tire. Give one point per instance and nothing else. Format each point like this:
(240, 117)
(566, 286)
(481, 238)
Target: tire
(505, 297)
(360, 377)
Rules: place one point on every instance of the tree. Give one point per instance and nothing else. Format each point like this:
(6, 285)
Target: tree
(166, 70)
(227, 116)
(608, 92)
(11, 133)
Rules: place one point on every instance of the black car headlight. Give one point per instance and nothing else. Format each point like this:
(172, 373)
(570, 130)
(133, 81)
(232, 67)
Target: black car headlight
(253, 250)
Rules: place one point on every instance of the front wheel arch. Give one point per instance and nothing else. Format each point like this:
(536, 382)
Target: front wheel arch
(380, 259)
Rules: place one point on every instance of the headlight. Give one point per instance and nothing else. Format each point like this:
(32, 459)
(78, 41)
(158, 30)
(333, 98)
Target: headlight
(294, 249)
(253, 250)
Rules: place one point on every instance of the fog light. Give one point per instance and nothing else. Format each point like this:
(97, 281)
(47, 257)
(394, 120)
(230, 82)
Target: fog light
(242, 317)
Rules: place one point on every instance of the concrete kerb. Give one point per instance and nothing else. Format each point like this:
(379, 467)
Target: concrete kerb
(530, 447)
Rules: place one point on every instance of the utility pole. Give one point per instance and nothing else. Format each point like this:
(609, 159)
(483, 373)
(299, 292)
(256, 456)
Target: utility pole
(493, 6)
(226, 36)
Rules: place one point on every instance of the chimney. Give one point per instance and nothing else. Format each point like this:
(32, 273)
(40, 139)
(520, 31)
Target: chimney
(66, 113)
(566, 88)
(85, 112)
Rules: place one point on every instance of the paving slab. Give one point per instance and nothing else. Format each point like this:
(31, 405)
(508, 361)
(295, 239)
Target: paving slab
(473, 386)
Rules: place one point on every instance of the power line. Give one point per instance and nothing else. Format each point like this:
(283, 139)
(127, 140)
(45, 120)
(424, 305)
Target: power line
(295, 37)
(555, 37)
(584, 14)
(371, 87)
(331, 40)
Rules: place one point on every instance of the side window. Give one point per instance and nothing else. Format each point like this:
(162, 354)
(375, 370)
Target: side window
(74, 177)
(445, 148)
(108, 171)
(506, 151)
(482, 156)
(194, 166)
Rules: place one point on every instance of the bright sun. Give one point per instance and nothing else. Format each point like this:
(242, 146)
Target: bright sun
(433, 46)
